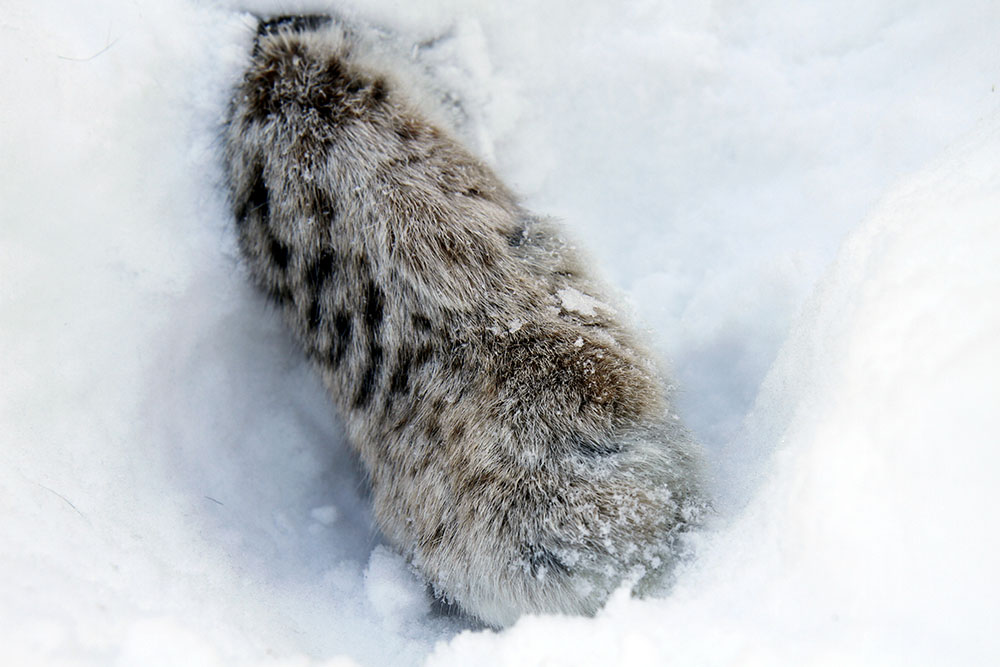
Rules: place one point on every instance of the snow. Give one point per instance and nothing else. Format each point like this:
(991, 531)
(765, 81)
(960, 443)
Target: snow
(394, 591)
(872, 538)
(799, 201)
(575, 301)
(325, 515)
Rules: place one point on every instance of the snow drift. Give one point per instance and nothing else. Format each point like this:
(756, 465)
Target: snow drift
(873, 535)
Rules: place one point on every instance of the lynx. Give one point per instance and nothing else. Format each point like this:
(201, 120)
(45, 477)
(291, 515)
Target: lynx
(517, 435)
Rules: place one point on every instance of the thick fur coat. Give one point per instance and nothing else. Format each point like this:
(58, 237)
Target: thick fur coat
(516, 434)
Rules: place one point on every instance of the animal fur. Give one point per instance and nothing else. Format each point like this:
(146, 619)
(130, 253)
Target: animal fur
(515, 432)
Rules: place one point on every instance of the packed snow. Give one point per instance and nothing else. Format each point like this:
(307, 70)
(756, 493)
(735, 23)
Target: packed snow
(800, 202)
(575, 301)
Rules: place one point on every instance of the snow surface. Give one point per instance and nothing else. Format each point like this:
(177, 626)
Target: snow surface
(174, 485)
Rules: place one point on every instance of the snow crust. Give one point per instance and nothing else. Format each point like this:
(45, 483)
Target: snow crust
(174, 485)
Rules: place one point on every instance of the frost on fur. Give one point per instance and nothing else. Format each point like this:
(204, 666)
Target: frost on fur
(514, 430)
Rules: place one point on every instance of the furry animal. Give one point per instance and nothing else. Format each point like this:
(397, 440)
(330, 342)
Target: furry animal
(515, 432)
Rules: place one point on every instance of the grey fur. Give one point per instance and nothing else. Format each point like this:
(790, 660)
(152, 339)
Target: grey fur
(516, 433)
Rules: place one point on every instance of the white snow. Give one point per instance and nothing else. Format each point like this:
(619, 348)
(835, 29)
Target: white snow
(325, 515)
(575, 301)
(872, 538)
(174, 485)
(394, 591)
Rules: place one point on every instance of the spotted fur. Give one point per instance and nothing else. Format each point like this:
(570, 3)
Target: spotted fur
(515, 432)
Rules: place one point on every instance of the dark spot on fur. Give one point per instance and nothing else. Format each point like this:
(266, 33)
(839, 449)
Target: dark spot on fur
(342, 339)
(433, 430)
(540, 561)
(594, 449)
(408, 131)
(450, 249)
(423, 355)
(400, 380)
(475, 483)
(374, 308)
(473, 192)
(373, 313)
(354, 85)
(313, 317)
(257, 95)
(387, 402)
(411, 159)
(516, 238)
(465, 251)
(421, 323)
(263, 89)
(279, 253)
(368, 380)
(393, 165)
(327, 97)
(322, 269)
(456, 360)
(324, 205)
(292, 23)
(464, 389)
(378, 92)
(458, 432)
(438, 536)
(342, 324)
(260, 197)
(402, 422)
(258, 200)
(279, 294)
(486, 257)
(334, 70)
